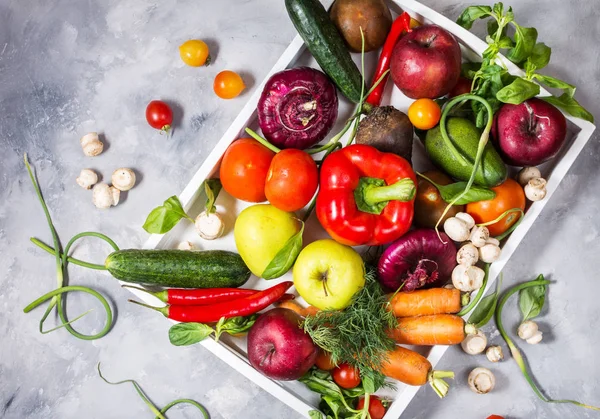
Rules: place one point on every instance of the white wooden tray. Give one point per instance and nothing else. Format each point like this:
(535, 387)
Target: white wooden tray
(233, 350)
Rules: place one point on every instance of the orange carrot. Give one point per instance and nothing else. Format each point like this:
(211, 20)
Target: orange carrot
(298, 309)
(439, 329)
(414, 369)
(426, 302)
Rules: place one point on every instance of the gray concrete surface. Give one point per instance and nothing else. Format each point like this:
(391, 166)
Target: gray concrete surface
(68, 67)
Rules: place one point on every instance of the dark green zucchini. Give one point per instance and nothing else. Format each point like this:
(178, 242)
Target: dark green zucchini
(179, 268)
(326, 44)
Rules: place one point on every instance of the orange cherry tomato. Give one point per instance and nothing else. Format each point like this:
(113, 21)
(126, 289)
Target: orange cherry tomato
(346, 376)
(292, 180)
(244, 169)
(324, 361)
(194, 53)
(424, 113)
(508, 195)
(228, 84)
(376, 407)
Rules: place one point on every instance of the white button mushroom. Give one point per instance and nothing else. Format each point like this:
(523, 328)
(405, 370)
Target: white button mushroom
(493, 240)
(474, 343)
(479, 236)
(91, 144)
(470, 221)
(123, 179)
(186, 245)
(87, 178)
(528, 173)
(481, 380)
(494, 353)
(535, 190)
(527, 329)
(467, 255)
(535, 339)
(489, 253)
(456, 229)
(467, 278)
(105, 196)
(209, 226)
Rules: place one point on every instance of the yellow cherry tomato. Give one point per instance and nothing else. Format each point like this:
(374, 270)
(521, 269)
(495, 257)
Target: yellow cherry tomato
(228, 84)
(414, 23)
(424, 113)
(194, 53)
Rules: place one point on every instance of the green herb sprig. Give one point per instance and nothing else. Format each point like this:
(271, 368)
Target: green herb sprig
(491, 79)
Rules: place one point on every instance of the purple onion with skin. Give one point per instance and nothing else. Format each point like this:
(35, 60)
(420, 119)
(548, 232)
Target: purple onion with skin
(297, 108)
(419, 259)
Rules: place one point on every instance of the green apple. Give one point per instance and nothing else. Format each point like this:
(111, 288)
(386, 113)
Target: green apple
(260, 232)
(327, 274)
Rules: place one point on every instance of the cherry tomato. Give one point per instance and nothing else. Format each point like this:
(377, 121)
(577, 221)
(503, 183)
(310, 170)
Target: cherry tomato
(495, 417)
(345, 376)
(194, 53)
(424, 113)
(376, 408)
(159, 115)
(292, 180)
(508, 195)
(244, 169)
(228, 84)
(463, 86)
(324, 361)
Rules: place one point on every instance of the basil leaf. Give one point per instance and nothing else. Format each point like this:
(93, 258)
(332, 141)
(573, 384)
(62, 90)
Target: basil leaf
(492, 69)
(486, 308)
(540, 55)
(164, 218)
(498, 8)
(184, 334)
(492, 27)
(525, 39)
(315, 414)
(474, 194)
(549, 81)
(471, 14)
(505, 43)
(285, 258)
(235, 325)
(570, 106)
(212, 187)
(468, 70)
(322, 386)
(531, 300)
(518, 91)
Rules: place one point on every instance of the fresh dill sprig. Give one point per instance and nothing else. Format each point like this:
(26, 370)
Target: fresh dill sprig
(357, 334)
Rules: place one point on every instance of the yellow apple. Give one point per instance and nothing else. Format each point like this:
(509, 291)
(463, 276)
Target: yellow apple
(260, 232)
(327, 274)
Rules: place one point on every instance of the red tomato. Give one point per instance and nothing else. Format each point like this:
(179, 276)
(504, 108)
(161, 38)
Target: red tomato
(376, 408)
(244, 169)
(508, 195)
(463, 86)
(495, 417)
(159, 115)
(346, 376)
(228, 84)
(292, 180)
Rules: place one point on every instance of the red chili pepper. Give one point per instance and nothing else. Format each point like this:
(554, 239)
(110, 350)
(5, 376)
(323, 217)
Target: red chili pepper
(197, 297)
(214, 312)
(400, 25)
(365, 196)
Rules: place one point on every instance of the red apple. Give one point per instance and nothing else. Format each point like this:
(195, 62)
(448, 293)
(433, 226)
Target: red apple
(463, 86)
(278, 347)
(426, 62)
(530, 133)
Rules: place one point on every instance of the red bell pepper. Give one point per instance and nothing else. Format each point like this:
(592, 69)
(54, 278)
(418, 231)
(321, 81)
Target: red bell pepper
(365, 196)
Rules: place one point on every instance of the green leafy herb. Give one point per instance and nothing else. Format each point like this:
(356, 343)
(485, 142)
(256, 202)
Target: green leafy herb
(285, 258)
(450, 192)
(358, 329)
(484, 312)
(212, 187)
(518, 91)
(184, 334)
(516, 353)
(315, 414)
(531, 300)
(235, 325)
(159, 413)
(163, 218)
(491, 79)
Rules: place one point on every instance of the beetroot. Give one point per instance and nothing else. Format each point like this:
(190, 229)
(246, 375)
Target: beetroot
(419, 259)
(297, 108)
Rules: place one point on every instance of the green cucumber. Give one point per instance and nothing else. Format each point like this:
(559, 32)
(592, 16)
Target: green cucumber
(465, 136)
(325, 43)
(179, 268)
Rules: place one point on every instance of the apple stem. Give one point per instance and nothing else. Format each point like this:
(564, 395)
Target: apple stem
(325, 288)
(269, 353)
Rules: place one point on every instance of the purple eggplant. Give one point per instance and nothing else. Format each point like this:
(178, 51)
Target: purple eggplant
(297, 108)
(419, 259)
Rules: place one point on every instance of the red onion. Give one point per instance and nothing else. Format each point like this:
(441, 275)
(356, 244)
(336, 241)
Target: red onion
(297, 108)
(419, 259)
